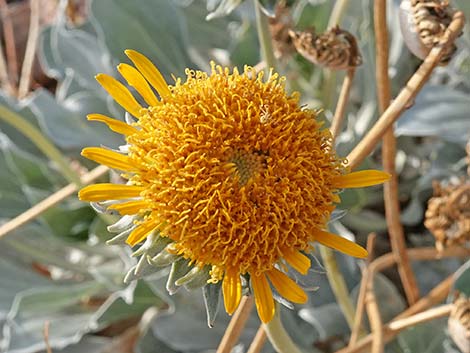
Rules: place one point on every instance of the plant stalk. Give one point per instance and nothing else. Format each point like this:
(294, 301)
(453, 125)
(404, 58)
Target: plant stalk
(391, 201)
(264, 37)
(278, 336)
(338, 284)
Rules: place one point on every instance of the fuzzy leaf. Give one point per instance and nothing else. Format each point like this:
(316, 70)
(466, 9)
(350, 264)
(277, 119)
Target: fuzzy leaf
(438, 111)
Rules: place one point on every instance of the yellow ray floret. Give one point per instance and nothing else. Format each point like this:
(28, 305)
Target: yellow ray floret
(339, 243)
(120, 94)
(141, 232)
(297, 260)
(149, 71)
(263, 297)
(360, 179)
(287, 287)
(107, 191)
(108, 158)
(232, 290)
(135, 79)
(113, 124)
(131, 207)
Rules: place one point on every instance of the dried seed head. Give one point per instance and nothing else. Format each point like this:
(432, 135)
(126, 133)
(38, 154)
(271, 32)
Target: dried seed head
(336, 49)
(459, 323)
(448, 213)
(423, 23)
(280, 25)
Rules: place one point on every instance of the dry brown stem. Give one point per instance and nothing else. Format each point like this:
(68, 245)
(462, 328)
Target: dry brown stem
(337, 283)
(375, 319)
(392, 204)
(10, 45)
(338, 118)
(46, 336)
(435, 296)
(236, 325)
(50, 201)
(4, 79)
(258, 342)
(434, 313)
(361, 298)
(30, 53)
(407, 94)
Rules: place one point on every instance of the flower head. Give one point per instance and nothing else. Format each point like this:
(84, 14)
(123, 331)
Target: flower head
(232, 170)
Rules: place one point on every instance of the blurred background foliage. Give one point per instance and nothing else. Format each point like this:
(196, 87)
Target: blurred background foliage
(58, 270)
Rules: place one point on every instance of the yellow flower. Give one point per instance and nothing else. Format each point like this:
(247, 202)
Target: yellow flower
(231, 169)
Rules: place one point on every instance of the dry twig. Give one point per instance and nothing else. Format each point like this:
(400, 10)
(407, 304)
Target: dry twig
(361, 298)
(392, 204)
(258, 342)
(438, 294)
(434, 313)
(338, 118)
(50, 201)
(46, 336)
(30, 53)
(236, 325)
(10, 45)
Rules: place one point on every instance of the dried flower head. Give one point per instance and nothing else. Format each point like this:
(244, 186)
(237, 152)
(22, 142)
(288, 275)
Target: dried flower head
(336, 49)
(280, 25)
(227, 172)
(423, 23)
(448, 213)
(459, 322)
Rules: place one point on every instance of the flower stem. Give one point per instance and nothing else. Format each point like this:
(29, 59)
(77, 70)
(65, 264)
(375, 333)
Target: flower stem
(278, 336)
(335, 277)
(41, 142)
(391, 201)
(338, 284)
(264, 37)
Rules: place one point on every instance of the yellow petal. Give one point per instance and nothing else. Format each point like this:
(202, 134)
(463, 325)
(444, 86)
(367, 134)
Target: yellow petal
(287, 287)
(141, 232)
(360, 179)
(107, 191)
(149, 71)
(263, 297)
(131, 207)
(113, 124)
(297, 260)
(135, 79)
(108, 158)
(120, 94)
(232, 290)
(339, 243)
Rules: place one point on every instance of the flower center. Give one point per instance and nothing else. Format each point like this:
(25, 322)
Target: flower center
(248, 164)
